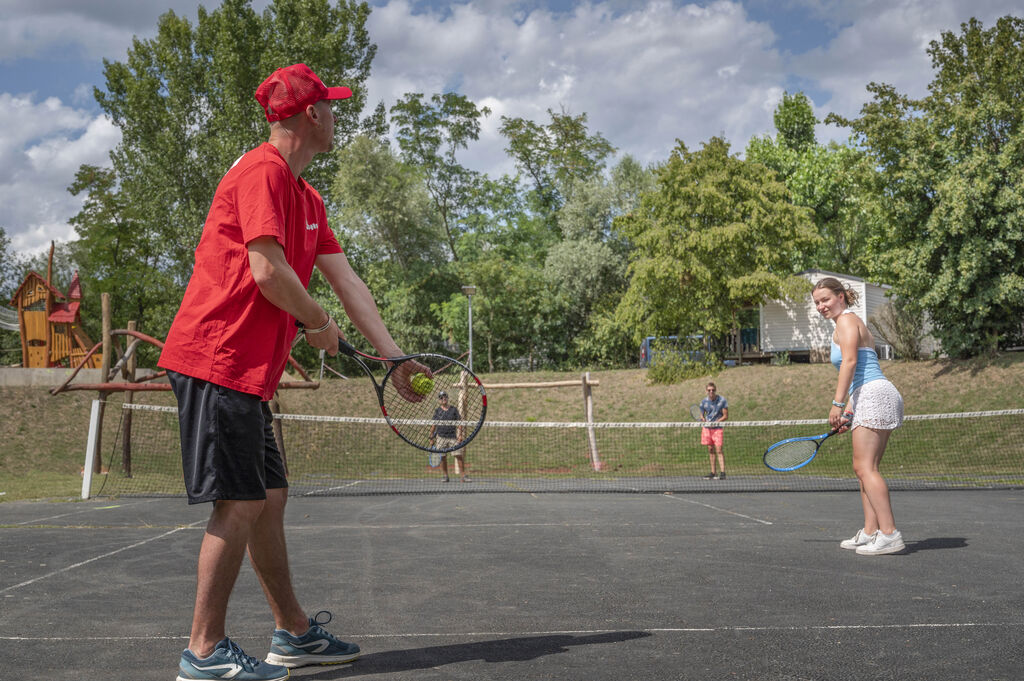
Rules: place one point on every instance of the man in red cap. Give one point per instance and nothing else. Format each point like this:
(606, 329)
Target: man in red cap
(225, 354)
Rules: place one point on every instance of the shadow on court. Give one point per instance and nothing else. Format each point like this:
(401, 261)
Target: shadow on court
(506, 650)
(936, 544)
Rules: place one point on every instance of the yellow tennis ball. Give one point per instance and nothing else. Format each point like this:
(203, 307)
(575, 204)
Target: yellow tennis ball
(421, 384)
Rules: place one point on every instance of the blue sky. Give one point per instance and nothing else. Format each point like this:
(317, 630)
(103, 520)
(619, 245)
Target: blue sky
(645, 73)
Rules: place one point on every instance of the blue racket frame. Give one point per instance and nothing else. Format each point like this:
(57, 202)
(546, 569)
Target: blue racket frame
(820, 439)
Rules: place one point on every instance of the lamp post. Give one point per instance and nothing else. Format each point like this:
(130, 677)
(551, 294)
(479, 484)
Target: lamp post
(469, 291)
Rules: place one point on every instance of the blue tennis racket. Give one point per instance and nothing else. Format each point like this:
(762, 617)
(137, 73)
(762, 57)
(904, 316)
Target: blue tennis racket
(434, 459)
(797, 452)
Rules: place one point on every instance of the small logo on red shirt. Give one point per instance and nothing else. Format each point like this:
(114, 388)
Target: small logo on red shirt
(312, 227)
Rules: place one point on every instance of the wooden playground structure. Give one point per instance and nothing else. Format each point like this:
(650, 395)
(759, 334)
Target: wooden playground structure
(49, 322)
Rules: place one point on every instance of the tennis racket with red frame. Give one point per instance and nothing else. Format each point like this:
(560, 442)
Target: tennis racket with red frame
(413, 410)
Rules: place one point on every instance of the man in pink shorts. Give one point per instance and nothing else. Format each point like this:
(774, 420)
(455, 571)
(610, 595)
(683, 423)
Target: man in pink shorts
(715, 409)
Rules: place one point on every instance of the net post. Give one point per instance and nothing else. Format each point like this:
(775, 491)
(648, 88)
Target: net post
(95, 417)
(588, 409)
(461, 405)
(108, 346)
(128, 374)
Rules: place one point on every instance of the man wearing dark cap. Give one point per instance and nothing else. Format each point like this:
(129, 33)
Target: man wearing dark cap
(447, 435)
(225, 354)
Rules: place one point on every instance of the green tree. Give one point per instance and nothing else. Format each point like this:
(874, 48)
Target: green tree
(430, 135)
(10, 268)
(838, 183)
(557, 157)
(952, 165)
(385, 220)
(795, 120)
(183, 102)
(586, 271)
(113, 257)
(717, 235)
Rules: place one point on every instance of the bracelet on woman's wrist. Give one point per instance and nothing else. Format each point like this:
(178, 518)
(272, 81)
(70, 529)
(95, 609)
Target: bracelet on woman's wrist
(321, 329)
(838, 404)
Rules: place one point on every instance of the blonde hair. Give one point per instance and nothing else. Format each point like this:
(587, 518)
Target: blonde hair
(837, 287)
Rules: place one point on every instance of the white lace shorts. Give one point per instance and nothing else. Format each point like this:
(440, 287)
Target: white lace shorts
(877, 405)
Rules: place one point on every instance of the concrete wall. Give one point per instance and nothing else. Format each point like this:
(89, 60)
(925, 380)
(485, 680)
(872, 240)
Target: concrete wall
(51, 378)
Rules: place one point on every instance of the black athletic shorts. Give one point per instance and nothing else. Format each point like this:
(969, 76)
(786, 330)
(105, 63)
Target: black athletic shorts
(228, 450)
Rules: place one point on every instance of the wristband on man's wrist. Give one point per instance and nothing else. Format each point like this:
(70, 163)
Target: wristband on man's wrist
(838, 404)
(321, 329)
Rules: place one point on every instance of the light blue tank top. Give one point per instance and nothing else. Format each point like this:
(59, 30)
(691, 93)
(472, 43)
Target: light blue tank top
(867, 365)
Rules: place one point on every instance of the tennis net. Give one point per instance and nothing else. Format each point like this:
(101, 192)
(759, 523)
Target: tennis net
(341, 455)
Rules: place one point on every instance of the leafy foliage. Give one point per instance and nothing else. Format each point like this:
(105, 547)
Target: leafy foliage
(429, 136)
(719, 234)
(837, 182)
(953, 170)
(902, 326)
(574, 259)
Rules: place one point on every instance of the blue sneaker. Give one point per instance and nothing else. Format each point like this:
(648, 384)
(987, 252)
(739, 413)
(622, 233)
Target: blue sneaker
(228, 662)
(316, 646)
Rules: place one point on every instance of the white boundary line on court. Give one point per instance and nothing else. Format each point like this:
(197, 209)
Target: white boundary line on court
(715, 508)
(100, 557)
(564, 632)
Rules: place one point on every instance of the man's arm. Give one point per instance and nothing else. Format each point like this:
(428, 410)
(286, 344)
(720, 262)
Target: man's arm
(361, 308)
(280, 285)
(359, 304)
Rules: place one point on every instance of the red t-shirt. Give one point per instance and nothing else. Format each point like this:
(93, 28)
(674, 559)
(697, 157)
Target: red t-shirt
(226, 332)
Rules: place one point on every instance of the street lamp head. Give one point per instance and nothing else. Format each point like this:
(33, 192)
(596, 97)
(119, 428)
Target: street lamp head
(469, 290)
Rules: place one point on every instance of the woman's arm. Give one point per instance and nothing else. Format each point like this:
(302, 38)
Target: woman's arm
(848, 335)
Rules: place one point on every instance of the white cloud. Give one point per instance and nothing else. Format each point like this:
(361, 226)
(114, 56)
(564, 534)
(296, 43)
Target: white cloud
(91, 30)
(42, 145)
(884, 42)
(644, 76)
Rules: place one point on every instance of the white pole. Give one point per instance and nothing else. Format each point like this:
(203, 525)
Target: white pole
(470, 332)
(90, 448)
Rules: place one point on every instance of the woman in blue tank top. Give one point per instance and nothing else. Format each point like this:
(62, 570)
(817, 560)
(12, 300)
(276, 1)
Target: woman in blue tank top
(877, 410)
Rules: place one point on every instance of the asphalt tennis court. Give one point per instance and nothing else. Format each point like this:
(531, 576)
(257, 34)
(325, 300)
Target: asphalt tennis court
(540, 586)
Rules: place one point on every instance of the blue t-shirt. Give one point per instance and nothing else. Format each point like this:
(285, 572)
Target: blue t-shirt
(867, 369)
(713, 410)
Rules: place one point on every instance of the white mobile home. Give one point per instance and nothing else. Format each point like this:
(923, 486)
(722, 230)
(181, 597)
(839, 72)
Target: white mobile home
(796, 327)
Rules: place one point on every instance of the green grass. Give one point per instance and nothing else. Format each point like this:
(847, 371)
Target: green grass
(42, 438)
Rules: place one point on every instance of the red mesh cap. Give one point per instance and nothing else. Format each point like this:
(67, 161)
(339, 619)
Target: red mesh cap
(290, 90)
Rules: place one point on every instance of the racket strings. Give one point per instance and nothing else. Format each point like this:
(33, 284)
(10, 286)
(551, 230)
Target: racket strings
(434, 423)
(790, 454)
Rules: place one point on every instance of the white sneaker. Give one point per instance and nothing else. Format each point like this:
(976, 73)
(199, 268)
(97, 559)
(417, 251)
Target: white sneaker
(882, 544)
(859, 539)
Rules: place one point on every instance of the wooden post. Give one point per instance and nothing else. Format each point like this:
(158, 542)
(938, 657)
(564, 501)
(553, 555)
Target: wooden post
(50, 301)
(105, 376)
(588, 410)
(128, 373)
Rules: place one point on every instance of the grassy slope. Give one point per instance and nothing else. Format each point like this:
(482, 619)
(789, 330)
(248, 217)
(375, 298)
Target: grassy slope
(42, 438)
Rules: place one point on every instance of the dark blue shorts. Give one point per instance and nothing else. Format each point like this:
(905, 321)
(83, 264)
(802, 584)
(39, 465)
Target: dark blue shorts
(228, 450)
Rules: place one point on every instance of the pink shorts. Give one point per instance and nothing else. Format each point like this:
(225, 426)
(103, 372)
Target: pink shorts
(711, 436)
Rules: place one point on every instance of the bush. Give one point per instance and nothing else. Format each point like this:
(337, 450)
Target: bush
(675, 368)
(902, 327)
